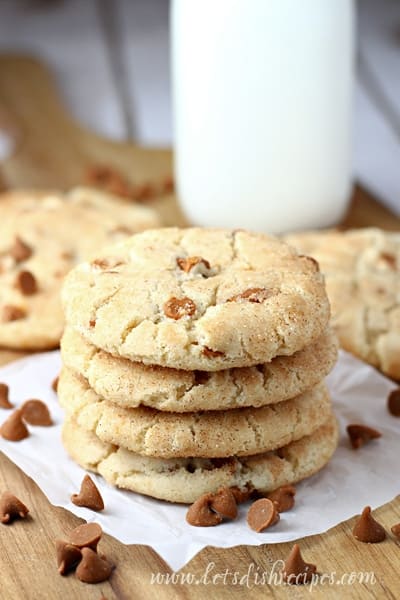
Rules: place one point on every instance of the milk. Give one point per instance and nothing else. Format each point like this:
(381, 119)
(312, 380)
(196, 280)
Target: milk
(262, 107)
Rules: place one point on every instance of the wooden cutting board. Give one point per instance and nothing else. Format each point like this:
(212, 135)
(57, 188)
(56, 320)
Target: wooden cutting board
(51, 150)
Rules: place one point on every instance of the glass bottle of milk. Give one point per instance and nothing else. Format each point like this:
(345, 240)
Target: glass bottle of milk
(262, 107)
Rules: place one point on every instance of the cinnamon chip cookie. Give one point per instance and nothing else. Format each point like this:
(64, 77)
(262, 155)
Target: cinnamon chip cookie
(42, 236)
(150, 432)
(204, 299)
(130, 384)
(362, 271)
(185, 479)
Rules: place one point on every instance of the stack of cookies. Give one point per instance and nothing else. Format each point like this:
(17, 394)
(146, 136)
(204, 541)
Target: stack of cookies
(195, 359)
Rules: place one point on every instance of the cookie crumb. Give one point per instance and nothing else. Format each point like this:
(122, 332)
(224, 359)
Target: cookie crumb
(11, 508)
(89, 496)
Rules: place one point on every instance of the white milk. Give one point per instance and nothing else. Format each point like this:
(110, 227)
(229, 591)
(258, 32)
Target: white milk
(262, 103)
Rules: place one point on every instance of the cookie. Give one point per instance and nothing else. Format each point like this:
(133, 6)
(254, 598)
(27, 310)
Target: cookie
(185, 479)
(130, 384)
(362, 269)
(42, 236)
(205, 299)
(149, 432)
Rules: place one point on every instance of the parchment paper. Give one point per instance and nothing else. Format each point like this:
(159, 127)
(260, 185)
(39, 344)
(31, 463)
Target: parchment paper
(352, 480)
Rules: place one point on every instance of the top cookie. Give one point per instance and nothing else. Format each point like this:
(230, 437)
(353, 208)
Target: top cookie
(206, 299)
(42, 236)
(362, 276)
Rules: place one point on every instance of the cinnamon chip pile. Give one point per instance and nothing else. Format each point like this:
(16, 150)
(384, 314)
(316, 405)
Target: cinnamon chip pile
(79, 554)
(34, 412)
(113, 181)
(212, 509)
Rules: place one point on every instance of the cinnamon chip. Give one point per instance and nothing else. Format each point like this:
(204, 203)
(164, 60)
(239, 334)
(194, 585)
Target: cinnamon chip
(393, 402)
(86, 535)
(395, 529)
(54, 384)
(361, 434)
(201, 377)
(123, 229)
(108, 179)
(143, 192)
(367, 529)
(68, 556)
(256, 295)
(200, 513)
(12, 313)
(283, 497)
(13, 428)
(224, 503)
(93, 568)
(389, 259)
(241, 494)
(35, 412)
(176, 308)
(211, 353)
(188, 264)
(262, 514)
(107, 263)
(167, 185)
(26, 283)
(296, 571)
(4, 396)
(11, 508)
(89, 496)
(20, 251)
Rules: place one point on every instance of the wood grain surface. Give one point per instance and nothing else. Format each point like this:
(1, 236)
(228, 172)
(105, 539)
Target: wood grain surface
(53, 151)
